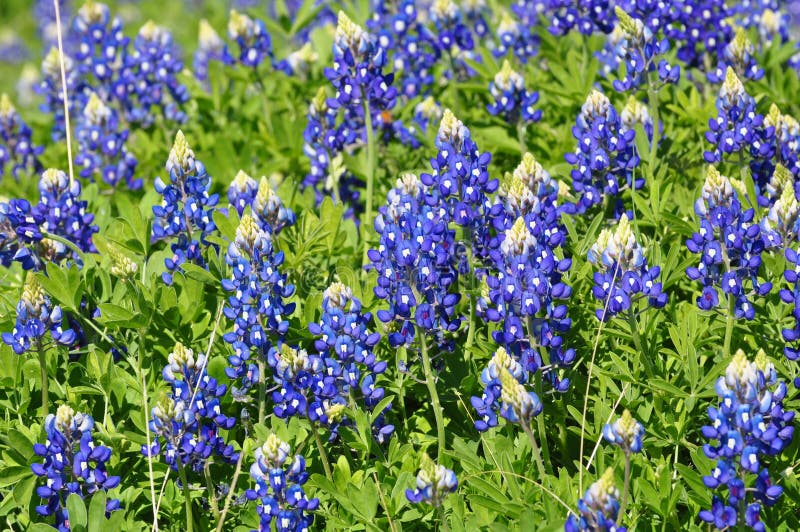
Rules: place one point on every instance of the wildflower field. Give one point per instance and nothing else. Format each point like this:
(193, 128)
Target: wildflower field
(390, 265)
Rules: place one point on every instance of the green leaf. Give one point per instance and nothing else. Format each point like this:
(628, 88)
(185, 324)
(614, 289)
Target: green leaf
(97, 512)
(76, 510)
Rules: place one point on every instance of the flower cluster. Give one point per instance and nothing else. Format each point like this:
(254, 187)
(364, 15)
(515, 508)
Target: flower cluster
(102, 150)
(517, 37)
(148, 81)
(739, 55)
(598, 508)
(427, 112)
(738, 128)
(36, 315)
(72, 463)
(730, 245)
(257, 304)
(511, 100)
(399, 30)
(626, 433)
(454, 37)
(460, 183)
(605, 156)
(185, 213)
(623, 272)
(279, 488)
(749, 425)
(434, 482)
(18, 154)
(504, 393)
(416, 263)
(59, 212)
(252, 38)
(187, 423)
(791, 296)
(325, 142)
(523, 285)
(210, 47)
(587, 16)
(50, 88)
(782, 132)
(783, 219)
(640, 50)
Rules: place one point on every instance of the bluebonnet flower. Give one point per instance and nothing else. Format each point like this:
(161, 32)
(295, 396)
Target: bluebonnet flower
(598, 509)
(605, 156)
(640, 50)
(252, 38)
(148, 81)
(257, 304)
(185, 213)
(635, 112)
(453, 37)
(210, 47)
(523, 283)
(102, 149)
(434, 482)
(27, 85)
(325, 143)
(739, 55)
(476, 11)
(489, 404)
(186, 424)
(50, 88)
(784, 146)
(12, 47)
(72, 463)
(749, 426)
(730, 244)
(242, 191)
(279, 488)
(426, 112)
(357, 72)
(784, 215)
(460, 182)
(773, 25)
(36, 315)
(700, 30)
(626, 433)
(511, 99)
(613, 53)
(587, 16)
(20, 233)
(299, 62)
(63, 212)
(18, 153)
(268, 209)
(791, 296)
(513, 36)
(623, 275)
(44, 14)
(98, 48)
(399, 29)
(416, 263)
(739, 129)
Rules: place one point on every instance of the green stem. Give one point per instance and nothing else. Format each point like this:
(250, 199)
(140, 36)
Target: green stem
(370, 177)
(521, 129)
(626, 486)
(443, 519)
(188, 498)
(471, 277)
(212, 494)
(652, 96)
(537, 455)
(43, 369)
(542, 428)
(231, 491)
(431, 384)
(146, 413)
(637, 341)
(262, 393)
(726, 346)
(323, 455)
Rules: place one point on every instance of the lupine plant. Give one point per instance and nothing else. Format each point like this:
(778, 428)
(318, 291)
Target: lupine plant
(462, 265)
